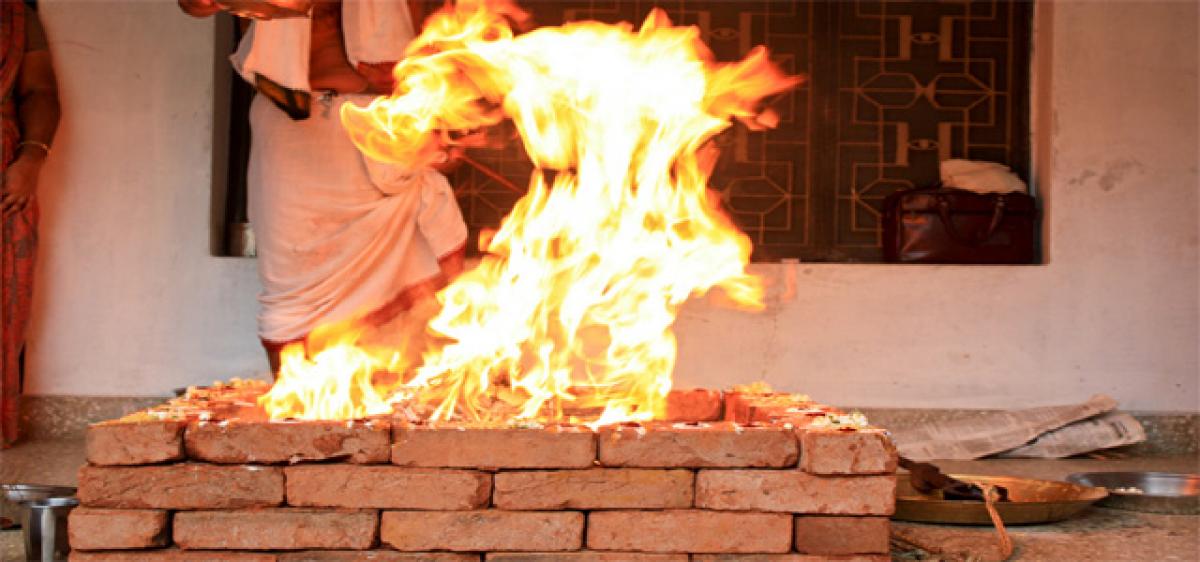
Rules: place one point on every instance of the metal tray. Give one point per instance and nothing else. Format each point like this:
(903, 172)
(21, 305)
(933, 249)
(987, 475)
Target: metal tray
(1033, 501)
(1160, 492)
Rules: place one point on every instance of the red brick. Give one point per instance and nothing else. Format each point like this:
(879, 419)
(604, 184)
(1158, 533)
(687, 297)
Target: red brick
(789, 558)
(276, 529)
(170, 555)
(374, 556)
(595, 488)
(475, 531)
(833, 451)
(181, 486)
(689, 530)
(817, 534)
(344, 485)
(767, 409)
(135, 440)
(798, 416)
(715, 445)
(795, 491)
(483, 447)
(584, 556)
(695, 405)
(737, 407)
(111, 529)
(240, 442)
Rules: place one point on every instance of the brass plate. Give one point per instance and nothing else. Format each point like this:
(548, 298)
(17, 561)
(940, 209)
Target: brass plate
(1032, 501)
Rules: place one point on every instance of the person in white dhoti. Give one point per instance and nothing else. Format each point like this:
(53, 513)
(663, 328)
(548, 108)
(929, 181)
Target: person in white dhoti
(339, 236)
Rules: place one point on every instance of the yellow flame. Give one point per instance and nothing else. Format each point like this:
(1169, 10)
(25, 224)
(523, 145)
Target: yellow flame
(337, 383)
(569, 314)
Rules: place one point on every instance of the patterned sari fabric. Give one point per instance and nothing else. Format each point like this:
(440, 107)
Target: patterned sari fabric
(19, 231)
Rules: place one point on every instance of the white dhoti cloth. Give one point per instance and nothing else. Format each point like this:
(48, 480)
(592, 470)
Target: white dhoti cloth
(333, 242)
(338, 236)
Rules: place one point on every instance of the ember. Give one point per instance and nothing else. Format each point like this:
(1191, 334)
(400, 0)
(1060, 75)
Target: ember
(569, 315)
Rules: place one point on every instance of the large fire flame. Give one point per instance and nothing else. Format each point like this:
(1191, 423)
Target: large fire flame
(569, 314)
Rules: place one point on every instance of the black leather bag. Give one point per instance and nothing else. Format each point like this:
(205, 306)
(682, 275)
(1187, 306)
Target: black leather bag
(948, 225)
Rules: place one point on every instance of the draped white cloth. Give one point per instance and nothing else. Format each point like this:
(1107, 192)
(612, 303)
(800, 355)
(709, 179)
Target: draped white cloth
(374, 30)
(338, 235)
(332, 243)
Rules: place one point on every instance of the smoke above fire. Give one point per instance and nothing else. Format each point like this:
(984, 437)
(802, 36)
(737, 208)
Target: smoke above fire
(569, 314)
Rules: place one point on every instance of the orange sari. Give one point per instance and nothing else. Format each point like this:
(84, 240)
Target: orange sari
(19, 242)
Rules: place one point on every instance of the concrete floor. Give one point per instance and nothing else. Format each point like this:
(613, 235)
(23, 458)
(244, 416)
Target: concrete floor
(1097, 535)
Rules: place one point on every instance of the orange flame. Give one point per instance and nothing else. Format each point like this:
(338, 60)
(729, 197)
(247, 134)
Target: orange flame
(569, 314)
(337, 383)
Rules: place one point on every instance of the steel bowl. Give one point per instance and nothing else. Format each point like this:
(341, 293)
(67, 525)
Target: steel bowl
(45, 529)
(1152, 492)
(14, 507)
(1032, 502)
(25, 493)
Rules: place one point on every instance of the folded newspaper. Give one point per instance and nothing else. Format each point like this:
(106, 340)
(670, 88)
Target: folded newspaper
(1045, 432)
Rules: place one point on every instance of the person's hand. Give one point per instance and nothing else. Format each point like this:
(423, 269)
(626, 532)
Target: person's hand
(264, 9)
(454, 150)
(380, 80)
(255, 9)
(199, 8)
(20, 183)
(451, 159)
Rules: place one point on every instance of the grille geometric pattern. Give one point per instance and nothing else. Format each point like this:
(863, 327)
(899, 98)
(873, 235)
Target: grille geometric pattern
(917, 83)
(893, 88)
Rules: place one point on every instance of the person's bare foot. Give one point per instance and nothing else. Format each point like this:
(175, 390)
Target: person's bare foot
(328, 67)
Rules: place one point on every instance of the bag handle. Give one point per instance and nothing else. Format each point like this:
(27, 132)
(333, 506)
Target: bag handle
(997, 217)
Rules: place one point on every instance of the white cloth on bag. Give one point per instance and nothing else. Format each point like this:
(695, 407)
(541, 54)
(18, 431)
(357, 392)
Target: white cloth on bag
(980, 177)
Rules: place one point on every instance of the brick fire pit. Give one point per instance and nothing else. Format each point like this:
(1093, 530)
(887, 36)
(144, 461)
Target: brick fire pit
(734, 476)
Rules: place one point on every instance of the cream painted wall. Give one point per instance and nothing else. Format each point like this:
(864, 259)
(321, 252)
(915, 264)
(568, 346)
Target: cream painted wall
(130, 302)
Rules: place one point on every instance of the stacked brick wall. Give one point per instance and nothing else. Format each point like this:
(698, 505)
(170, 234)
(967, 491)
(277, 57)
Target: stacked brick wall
(734, 477)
